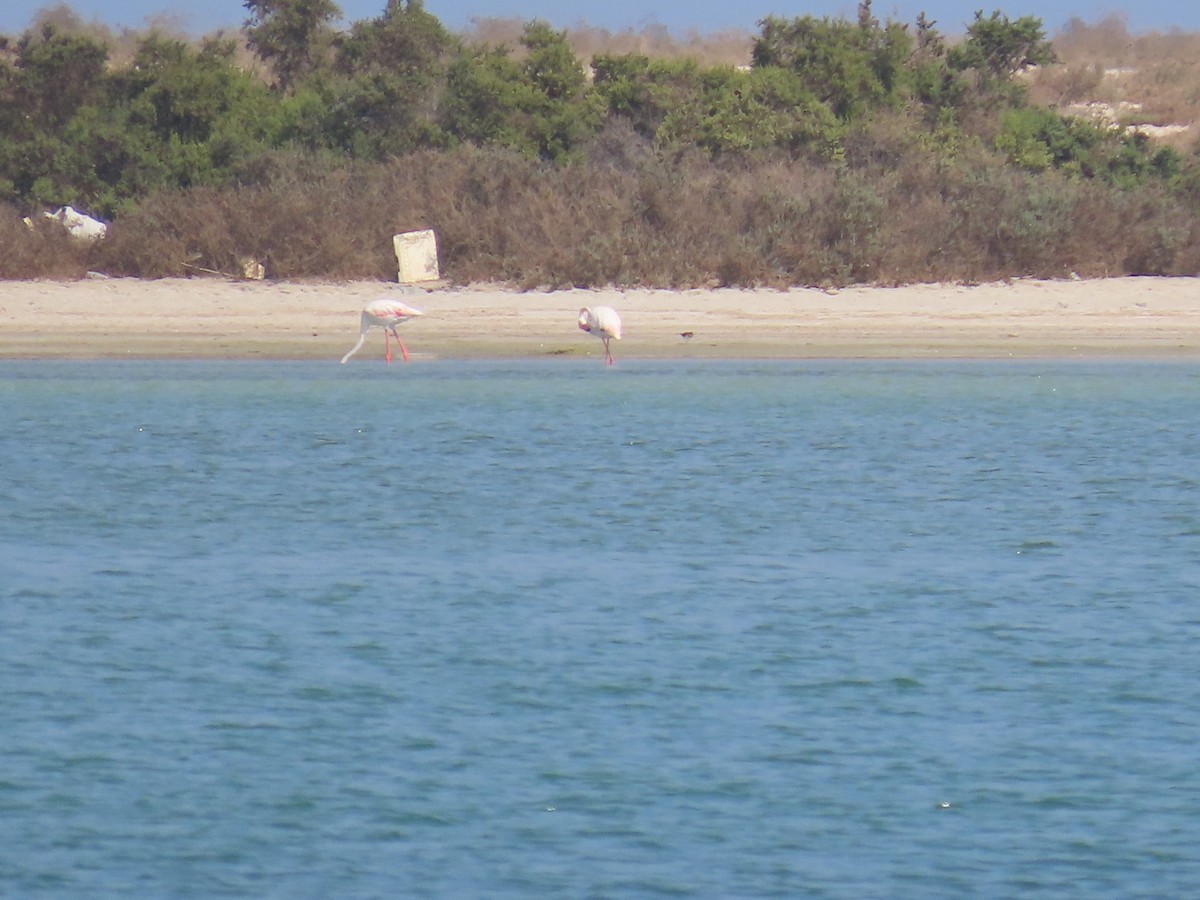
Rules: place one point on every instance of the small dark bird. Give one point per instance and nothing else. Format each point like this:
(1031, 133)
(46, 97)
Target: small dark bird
(687, 335)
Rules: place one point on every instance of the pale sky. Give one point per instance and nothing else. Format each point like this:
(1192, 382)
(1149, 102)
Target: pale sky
(679, 17)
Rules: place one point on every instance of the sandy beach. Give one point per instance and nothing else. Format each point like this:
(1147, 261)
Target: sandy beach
(206, 318)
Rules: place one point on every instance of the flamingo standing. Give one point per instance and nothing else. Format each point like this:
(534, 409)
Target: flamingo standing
(604, 323)
(387, 314)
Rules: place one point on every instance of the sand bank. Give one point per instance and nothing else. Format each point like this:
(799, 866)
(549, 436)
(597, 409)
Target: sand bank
(213, 318)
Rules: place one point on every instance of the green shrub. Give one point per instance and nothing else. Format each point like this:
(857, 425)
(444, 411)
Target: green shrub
(539, 106)
(851, 67)
(1038, 139)
(645, 91)
(745, 111)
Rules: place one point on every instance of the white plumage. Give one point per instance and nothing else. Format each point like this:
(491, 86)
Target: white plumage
(387, 314)
(604, 323)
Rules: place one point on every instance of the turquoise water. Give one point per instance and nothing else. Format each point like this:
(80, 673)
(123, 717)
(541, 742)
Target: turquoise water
(547, 629)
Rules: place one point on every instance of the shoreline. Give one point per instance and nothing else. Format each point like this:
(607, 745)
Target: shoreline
(209, 318)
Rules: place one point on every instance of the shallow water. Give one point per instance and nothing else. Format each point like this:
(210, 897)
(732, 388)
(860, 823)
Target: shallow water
(546, 629)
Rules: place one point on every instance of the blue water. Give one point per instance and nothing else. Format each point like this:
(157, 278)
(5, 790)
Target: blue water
(546, 629)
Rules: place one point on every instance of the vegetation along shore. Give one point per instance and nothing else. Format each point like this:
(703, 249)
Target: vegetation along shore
(818, 152)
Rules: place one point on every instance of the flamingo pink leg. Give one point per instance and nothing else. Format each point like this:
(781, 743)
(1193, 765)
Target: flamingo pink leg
(608, 357)
(403, 349)
(387, 343)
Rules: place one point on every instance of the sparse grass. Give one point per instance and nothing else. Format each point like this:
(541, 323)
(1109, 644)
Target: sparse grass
(729, 47)
(309, 222)
(687, 222)
(1151, 78)
(42, 249)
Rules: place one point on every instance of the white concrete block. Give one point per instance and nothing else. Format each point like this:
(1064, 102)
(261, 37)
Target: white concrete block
(417, 256)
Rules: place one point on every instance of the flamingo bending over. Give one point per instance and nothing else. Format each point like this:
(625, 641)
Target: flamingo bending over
(604, 323)
(387, 314)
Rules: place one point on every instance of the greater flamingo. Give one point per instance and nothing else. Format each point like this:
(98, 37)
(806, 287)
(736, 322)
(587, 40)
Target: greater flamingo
(387, 314)
(604, 323)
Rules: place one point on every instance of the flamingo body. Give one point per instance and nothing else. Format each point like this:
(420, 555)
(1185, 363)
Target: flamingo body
(387, 314)
(604, 323)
